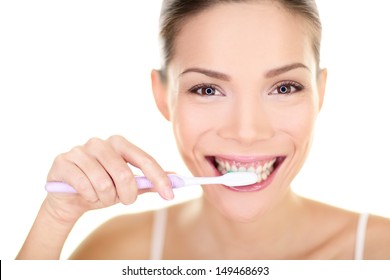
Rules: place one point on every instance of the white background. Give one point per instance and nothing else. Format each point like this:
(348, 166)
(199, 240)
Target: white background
(72, 70)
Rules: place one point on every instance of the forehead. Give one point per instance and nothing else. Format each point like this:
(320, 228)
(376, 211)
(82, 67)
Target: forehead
(254, 35)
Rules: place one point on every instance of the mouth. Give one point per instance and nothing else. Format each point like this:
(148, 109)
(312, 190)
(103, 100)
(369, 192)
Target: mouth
(264, 167)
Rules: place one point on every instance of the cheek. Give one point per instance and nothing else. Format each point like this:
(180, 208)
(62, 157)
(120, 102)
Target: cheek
(190, 122)
(297, 121)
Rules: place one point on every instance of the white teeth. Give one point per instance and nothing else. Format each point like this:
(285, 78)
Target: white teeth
(263, 170)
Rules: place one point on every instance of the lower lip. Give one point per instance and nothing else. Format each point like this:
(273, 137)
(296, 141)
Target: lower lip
(255, 187)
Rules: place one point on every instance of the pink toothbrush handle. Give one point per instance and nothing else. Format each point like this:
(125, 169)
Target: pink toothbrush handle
(142, 182)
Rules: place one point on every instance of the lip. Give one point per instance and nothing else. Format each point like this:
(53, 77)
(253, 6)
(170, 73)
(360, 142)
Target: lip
(248, 159)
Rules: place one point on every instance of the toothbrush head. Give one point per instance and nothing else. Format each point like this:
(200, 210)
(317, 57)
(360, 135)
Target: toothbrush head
(238, 179)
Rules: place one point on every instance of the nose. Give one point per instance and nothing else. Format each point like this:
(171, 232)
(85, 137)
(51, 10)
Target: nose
(248, 121)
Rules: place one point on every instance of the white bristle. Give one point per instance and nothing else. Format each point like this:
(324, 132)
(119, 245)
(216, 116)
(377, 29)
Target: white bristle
(236, 179)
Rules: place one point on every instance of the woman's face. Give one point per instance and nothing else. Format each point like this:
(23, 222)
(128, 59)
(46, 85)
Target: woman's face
(243, 94)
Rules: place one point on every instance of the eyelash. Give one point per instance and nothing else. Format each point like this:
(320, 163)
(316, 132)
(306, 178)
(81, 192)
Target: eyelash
(291, 84)
(288, 84)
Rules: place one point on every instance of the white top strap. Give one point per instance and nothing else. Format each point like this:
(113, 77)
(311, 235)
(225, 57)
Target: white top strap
(361, 236)
(158, 234)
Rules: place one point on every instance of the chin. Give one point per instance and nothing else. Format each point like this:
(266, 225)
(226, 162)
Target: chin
(242, 207)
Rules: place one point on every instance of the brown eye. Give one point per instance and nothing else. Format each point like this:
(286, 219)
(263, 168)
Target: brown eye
(286, 88)
(205, 90)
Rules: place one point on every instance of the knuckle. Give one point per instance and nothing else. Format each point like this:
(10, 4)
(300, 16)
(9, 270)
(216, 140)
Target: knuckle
(77, 150)
(60, 158)
(70, 156)
(75, 154)
(125, 176)
(94, 143)
(115, 139)
(59, 163)
(104, 185)
(82, 184)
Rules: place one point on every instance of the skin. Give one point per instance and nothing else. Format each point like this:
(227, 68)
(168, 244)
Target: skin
(246, 117)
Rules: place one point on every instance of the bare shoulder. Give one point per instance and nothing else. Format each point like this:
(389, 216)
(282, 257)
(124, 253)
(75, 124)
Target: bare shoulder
(377, 244)
(122, 237)
(332, 229)
(339, 227)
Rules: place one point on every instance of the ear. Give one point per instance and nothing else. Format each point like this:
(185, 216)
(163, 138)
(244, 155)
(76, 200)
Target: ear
(160, 93)
(322, 76)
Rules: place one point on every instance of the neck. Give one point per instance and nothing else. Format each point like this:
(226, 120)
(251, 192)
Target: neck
(267, 235)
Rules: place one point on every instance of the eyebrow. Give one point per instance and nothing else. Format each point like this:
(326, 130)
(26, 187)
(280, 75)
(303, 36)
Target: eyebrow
(269, 74)
(210, 73)
(278, 71)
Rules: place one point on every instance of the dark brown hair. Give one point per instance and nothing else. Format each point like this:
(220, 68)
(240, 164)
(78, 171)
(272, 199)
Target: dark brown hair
(175, 12)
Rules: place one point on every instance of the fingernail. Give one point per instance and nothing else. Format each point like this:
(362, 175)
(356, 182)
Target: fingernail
(168, 194)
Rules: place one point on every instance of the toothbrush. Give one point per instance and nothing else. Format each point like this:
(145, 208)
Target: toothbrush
(233, 179)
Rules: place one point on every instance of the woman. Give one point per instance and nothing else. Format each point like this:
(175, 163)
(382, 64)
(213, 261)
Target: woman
(242, 87)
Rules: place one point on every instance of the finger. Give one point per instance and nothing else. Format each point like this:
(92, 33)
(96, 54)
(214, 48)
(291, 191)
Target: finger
(116, 167)
(89, 160)
(149, 167)
(68, 172)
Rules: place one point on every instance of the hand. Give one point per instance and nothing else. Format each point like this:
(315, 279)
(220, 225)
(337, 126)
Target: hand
(99, 172)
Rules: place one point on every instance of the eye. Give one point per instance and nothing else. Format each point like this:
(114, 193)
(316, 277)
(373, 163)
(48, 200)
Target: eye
(287, 87)
(205, 90)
